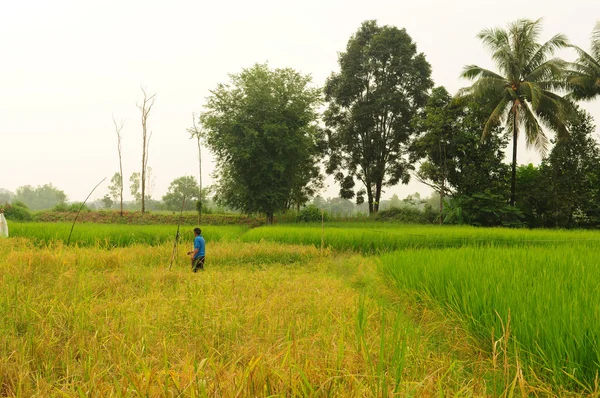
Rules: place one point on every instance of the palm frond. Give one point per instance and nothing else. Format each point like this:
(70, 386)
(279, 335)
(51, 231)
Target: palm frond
(551, 69)
(554, 111)
(472, 72)
(596, 41)
(534, 134)
(544, 52)
(496, 117)
(531, 92)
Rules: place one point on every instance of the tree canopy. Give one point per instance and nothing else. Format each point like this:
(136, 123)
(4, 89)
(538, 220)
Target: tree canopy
(382, 83)
(182, 187)
(262, 128)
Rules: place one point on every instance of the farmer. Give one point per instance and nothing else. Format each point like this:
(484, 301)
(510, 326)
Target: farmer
(199, 251)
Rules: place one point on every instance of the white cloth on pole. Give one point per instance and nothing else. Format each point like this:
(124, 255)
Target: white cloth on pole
(3, 226)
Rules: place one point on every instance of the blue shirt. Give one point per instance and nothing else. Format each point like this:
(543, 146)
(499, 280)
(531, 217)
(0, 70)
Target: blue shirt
(200, 245)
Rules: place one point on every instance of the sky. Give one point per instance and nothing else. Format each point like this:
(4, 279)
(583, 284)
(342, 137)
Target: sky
(68, 66)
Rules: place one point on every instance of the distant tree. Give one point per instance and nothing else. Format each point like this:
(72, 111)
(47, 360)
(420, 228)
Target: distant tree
(382, 84)
(118, 128)
(395, 202)
(41, 197)
(5, 195)
(522, 95)
(178, 189)
(115, 187)
(134, 187)
(107, 202)
(145, 108)
(262, 128)
(583, 76)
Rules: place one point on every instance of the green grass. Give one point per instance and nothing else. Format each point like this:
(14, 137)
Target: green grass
(377, 238)
(110, 235)
(547, 296)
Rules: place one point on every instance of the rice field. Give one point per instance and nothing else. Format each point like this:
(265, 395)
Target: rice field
(378, 238)
(114, 235)
(547, 299)
(300, 310)
(262, 320)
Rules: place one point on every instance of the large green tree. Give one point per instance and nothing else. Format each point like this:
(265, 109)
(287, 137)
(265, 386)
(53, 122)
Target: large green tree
(584, 74)
(522, 95)
(382, 83)
(262, 128)
(182, 187)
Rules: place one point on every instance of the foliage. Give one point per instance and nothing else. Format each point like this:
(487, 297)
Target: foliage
(114, 189)
(41, 197)
(408, 215)
(16, 211)
(533, 199)
(572, 173)
(382, 84)
(483, 209)
(262, 129)
(180, 188)
(6, 195)
(135, 186)
(522, 96)
(72, 208)
(583, 76)
(312, 213)
(107, 202)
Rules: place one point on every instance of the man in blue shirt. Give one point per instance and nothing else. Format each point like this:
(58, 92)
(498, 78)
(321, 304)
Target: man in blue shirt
(199, 251)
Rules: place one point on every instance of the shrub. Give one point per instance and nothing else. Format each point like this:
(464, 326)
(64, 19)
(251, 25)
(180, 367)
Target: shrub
(406, 215)
(17, 212)
(311, 214)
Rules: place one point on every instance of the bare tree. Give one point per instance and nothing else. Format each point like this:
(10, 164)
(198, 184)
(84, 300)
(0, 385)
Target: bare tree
(196, 132)
(145, 108)
(118, 128)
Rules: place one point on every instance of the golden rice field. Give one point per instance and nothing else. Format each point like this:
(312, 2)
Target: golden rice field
(270, 317)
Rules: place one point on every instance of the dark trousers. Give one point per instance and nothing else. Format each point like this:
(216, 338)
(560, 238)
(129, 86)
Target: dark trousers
(198, 264)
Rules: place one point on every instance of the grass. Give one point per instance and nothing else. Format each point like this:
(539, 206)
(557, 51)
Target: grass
(262, 320)
(110, 235)
(377, 238)
(277, 314)
(546, 298)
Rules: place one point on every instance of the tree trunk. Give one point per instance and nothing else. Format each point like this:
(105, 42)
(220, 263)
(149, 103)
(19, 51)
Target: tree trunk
(199, 178)
(269, 218)
(143, 179)
(377, 197)
(442, 204)
(513, 181)
(370, 199)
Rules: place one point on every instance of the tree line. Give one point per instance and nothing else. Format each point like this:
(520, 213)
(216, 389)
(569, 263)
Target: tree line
(384, 121)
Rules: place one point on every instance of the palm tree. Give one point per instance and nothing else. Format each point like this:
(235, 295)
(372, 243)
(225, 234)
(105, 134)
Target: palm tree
(522, 96)
(584, 74)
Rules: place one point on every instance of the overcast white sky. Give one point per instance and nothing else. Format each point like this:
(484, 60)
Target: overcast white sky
(66, 66)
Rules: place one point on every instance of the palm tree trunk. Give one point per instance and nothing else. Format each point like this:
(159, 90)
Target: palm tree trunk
(513, 181)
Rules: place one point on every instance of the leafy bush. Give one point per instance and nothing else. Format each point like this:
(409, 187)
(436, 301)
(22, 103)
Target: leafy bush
(483, 210)
(17, 212)
(311, 214)
(408, 215)
(72, 208)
